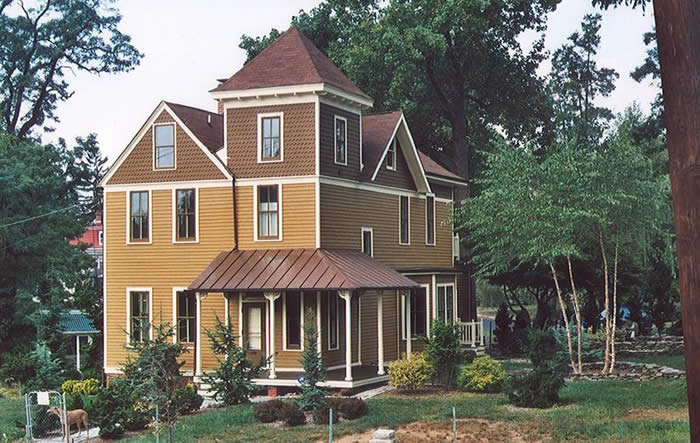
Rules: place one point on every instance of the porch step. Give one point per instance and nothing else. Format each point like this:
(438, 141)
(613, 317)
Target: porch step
(480, 350)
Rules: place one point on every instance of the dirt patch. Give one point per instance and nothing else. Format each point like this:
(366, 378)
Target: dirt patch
(657, 414)
(468, 430)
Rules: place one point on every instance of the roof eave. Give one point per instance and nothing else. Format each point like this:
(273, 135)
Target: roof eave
(448, 180)
(293, 90)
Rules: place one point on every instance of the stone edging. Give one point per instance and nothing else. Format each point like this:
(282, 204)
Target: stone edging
(623, 371)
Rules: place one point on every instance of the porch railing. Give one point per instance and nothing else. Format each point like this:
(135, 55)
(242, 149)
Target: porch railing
(471, 333)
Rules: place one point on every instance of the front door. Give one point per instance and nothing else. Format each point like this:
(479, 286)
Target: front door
(254, 330)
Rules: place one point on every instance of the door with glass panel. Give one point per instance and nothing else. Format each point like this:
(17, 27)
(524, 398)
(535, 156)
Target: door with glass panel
(254, 330)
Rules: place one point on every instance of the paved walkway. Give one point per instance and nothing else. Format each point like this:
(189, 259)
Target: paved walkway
(94, 432)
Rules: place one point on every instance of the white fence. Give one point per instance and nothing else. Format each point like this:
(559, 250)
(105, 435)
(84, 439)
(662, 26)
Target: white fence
(471, 333)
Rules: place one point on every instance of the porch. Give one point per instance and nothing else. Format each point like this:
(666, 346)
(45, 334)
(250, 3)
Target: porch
(362, 375)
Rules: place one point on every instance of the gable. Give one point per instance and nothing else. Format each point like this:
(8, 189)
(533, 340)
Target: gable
(193, 161)
(399, 178)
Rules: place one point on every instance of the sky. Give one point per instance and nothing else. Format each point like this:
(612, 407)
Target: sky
(188, 47)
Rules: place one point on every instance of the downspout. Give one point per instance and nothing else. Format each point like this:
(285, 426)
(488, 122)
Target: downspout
(235, 216)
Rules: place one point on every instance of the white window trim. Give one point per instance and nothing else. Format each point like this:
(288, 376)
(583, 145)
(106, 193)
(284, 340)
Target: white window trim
(408, 199)
(362, 239)
(196, 215)
(259, 135)
(129, 290)
(335, 140)
(427, 196)
(454, 300)
(337, 321)
(153, 135)
(279, 213)
(284, 323)
(128, 217)
(393, 157)
(427, 316)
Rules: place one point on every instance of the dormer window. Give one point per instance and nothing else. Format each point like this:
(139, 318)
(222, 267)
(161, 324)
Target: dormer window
(164, 146)
(391, 156)
(341, 141)
(270, 137)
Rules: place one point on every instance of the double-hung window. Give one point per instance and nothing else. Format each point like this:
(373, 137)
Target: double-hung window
(333, 317)
(186, 310)
(185, 216)
(139, 216)
(268, 212)
(430, 220)
(164, 146)
(341, 142)
(445, 303)
(292, 313)
(391, 156)
(270, 138)
(403, 220)
(139, 318)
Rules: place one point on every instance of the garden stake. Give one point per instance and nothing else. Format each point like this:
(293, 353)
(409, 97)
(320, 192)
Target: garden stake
(622, 434)
(157, 426)
(454, 425)
(330, 425)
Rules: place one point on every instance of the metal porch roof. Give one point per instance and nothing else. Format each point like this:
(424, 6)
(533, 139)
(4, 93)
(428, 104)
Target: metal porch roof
(297, 269)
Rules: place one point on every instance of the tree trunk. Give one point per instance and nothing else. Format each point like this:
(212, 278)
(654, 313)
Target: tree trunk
(563, 313)
(614, 312)
(678, 33)
(577, 312)
(606, 364)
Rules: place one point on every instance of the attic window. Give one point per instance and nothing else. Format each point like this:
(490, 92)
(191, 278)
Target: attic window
(391, 156)
(164, 146)
(270, 137)
(341, 141)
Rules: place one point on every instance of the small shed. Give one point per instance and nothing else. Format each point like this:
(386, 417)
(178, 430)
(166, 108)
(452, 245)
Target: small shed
(76, 324)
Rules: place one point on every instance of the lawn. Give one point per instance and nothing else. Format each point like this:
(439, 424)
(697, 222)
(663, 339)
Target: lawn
(12, 413)
(672, 361)
(597, 411)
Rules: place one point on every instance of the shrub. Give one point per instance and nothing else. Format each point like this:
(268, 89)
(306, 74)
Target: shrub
(483, 375)
(350, 408)
(322, 416)
(89, 386)
(443, 351)
(293, 415)
(540, 387)
(119, 409)
(187, 400)
(410, 373)
(269, 411)
(468, 356)
(17, 368)
(68, 386)
(232, 381)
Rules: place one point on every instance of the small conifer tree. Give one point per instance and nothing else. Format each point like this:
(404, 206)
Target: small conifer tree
(313, 397)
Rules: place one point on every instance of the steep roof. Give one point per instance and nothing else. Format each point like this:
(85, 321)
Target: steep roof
(297, 269)
(211, 134)
(290, 60)
(377, 130)
(434, 168)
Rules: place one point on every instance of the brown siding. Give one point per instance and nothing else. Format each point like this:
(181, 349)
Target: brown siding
(466, 301)
(344, 211)
(401, 177)
(299, 141)
(441, 191)
(192, 163)
(327, 143)
(162, 264)
(298, 217)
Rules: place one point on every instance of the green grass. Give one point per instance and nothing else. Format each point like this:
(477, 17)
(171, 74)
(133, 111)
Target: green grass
(515, 366)
(672, 361)
(591, 411)
(12, 412)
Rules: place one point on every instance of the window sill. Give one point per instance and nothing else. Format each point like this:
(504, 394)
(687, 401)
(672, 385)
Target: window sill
(185, 242)
(267, 239)
(132, 242)
(340, 164)
(279, 160)
(165, 169)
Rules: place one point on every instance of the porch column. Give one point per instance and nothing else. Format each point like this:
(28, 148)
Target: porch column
(198, 345)
(408, 323)
(380, 333)
(347, 296)
(318, 321)
(271, 297)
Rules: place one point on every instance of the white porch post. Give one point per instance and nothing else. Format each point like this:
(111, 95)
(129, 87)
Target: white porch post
(347, 296)
(380, 333)
(271, 297)
(318, 321)
(198, 346)
(77, 352)
(408, 324)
